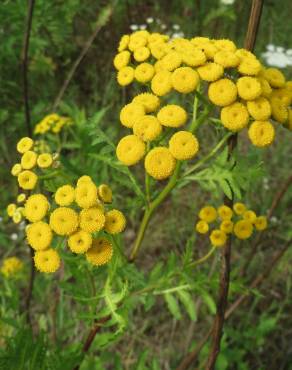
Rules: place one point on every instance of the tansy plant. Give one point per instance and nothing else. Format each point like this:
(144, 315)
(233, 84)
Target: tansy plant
(185, 84)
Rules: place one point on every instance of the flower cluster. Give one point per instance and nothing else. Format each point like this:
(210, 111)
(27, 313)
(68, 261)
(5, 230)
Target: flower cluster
(239, 221)
(247, 94)
(52, 122)
(11, 267)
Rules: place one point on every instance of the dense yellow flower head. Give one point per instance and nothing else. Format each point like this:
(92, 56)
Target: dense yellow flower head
(144, 72)
(83, 180)
(65, 195)
(239, 208)
(222, 92)
(115, 222)
(250, 216)
(279, 111)
(234, 117)
(274, 76)
(92, 219)
(225, 44)
(193, 58)
(47, 261)
(218, 238)
(124, 42)
(183, 145)
(172, 60)
(122, 59)
(161, 83)
(210, 72)
(105, 193)
(226, 226)
(147, 128)
(16, 169)
(125, 76)
(21, 198)
(261, 133)
(141, 54)
(265, 87)
(249, 66)
(86, 194)
(184, 80)
(159, 163)
(131, 112)
(243, 229)
(28, 160)
(27, 180)
(259, 109)
(130, 150)
(39, 235)
(45, 160)
(149, 101)
(172, 115)
(261, 223)
(11, 266)
(64, 221)
(225, 212)
(17, 217)
(100, 252)
(202, 227)
(24, 144)
(226, 58)
(11, 208)
(249, 88)
(36, 207)
(208, 214)
(80, 241)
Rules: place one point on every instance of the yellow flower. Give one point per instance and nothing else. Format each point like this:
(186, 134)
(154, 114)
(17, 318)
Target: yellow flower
(27, 180)
(249, 66)
(86, 194)
(265, 86)
(47, 261)
(171, 60)
(208, 214)
(105, 193)
(92, 219)
(172, 115)
(136, 42)
(28, 160)
(243, 53)
(226, 226)
(159, 163)
(17, 217)
(218, 238)
(279, 111)
(147, 128)
(65, 195)
(21, 198)
(261, 133)
(183, 145)
(235, 116)
(84, 179)
(249, 88)
(161, 83)
(141, 54)
(184, 80)
(124, 41)
(193, 58)
(149, 101)
(36, 207)
(158, 50)
(11, 266)
(130, 150)
(283, 96)
(144, 72)
(16, 169)
(24, 145)
(39, 235)
(159, 66)
(125, 76)
(249, 216)
(261, 223)
(243, 229)
(202, 227)
(226, 59)
(225, 212)
(64, 221)
(100, 253)
(122, 59)
(225, 44)
(11, 208)
(210, 71)
(259, 109)
(80, 241)
(131, 112)
(222, 92)
(239, 208)
(274, 77)
(115, 222)
(45, 160)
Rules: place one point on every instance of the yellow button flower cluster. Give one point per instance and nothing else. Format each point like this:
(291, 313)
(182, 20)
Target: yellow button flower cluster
(239, 221)
(52, 123)
(11, 267)
(247, 94)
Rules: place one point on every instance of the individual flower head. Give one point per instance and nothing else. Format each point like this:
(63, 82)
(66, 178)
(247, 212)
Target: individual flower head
(36, 207)
(218, 238)
(208, 214)
(21, 198)
(261, 133)
(130, 113)
(249, 88)
(226, 226)
(225, 44)
(100, 252)
(210, 72)
(202, 227)
(234, 117)
(141, 54)
(25, 144)
(249, 66)
(172, 60)
(11, 266)
(92, 219)
(16, 169)
(115, 222)
(105, 193)
(124, 41)
(184, 80)
(149, 101)
(243, 229)
(84, 180)
(160, 163)
(47, 261)
(275, 77)
(39, 235)
(259, 109)
(279, 111)
(239, 208)
(183, 145)
(122, 59)
(227, 59)
(64, 221)
(222, 92)
(172, 115)
(45, 160)
(250, 216)
(80, 241)
(65, 195)
(193, 58)
(161, 83)
(17, 217)
(261, 223)
(147, 128)
(27, 180)
(130, 150)
(11, 208)
(86, 195)
(144, 72)
(225, 212)
(125, 76)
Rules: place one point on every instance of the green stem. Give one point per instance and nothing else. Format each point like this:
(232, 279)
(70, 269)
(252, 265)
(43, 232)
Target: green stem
(147, 182)
(49, 175)
(203, 259)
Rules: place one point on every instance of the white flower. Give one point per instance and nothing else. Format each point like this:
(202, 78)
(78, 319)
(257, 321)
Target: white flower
(227, 2)
(14, 236)
(143, 26)
(270, 47)
(274, 219)
(133, 27)
(279, 49)
(149, 20)
(178, 35)
(289, 52)
(176, 27)
(163, 26)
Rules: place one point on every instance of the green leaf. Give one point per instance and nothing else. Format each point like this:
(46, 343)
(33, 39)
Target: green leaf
(188, 303)
(172, 305)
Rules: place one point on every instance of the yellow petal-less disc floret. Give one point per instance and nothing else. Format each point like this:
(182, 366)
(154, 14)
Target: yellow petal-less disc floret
(115, 222)
(265, 86)
(218, 238)
(279, 111)
(141, 54)
(144, 72)
(210, 72)
(80, 241)
(274, 77)
(84, 179)
(172, 115)
(226, 59)
(225, 212)
(27, 180)
(249, 66)
(130, 150)
(261, 133)
(183, 145)
(16, 169)
(239, 208)
(172, 60)
(159, 163)
(243, 229)
(147, 128)
(250, 216)
(100, 253)
(65, 195)
(225, 44)
(28, 160)
(226, 226)
(149, 101)
(64, 221)
(45, 160)
(136, 42)
(244, 53)
(202, 227)
(47, 261)
(131, 112)
(125, 76)
(208, 214)
(193, 58)
(39, 235)
(261, 223)
(17, 217)
(11, 208)
(86, 195)
(249, 88)
(235, 116)
(105, 193)
(222, 92)
(36, 207)
(92, 219)
(11, 266)
(161, 83)
(259, 109)
(122, 59)
(21, 198)
(24, 144)
(184, 80)
(124, 42)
